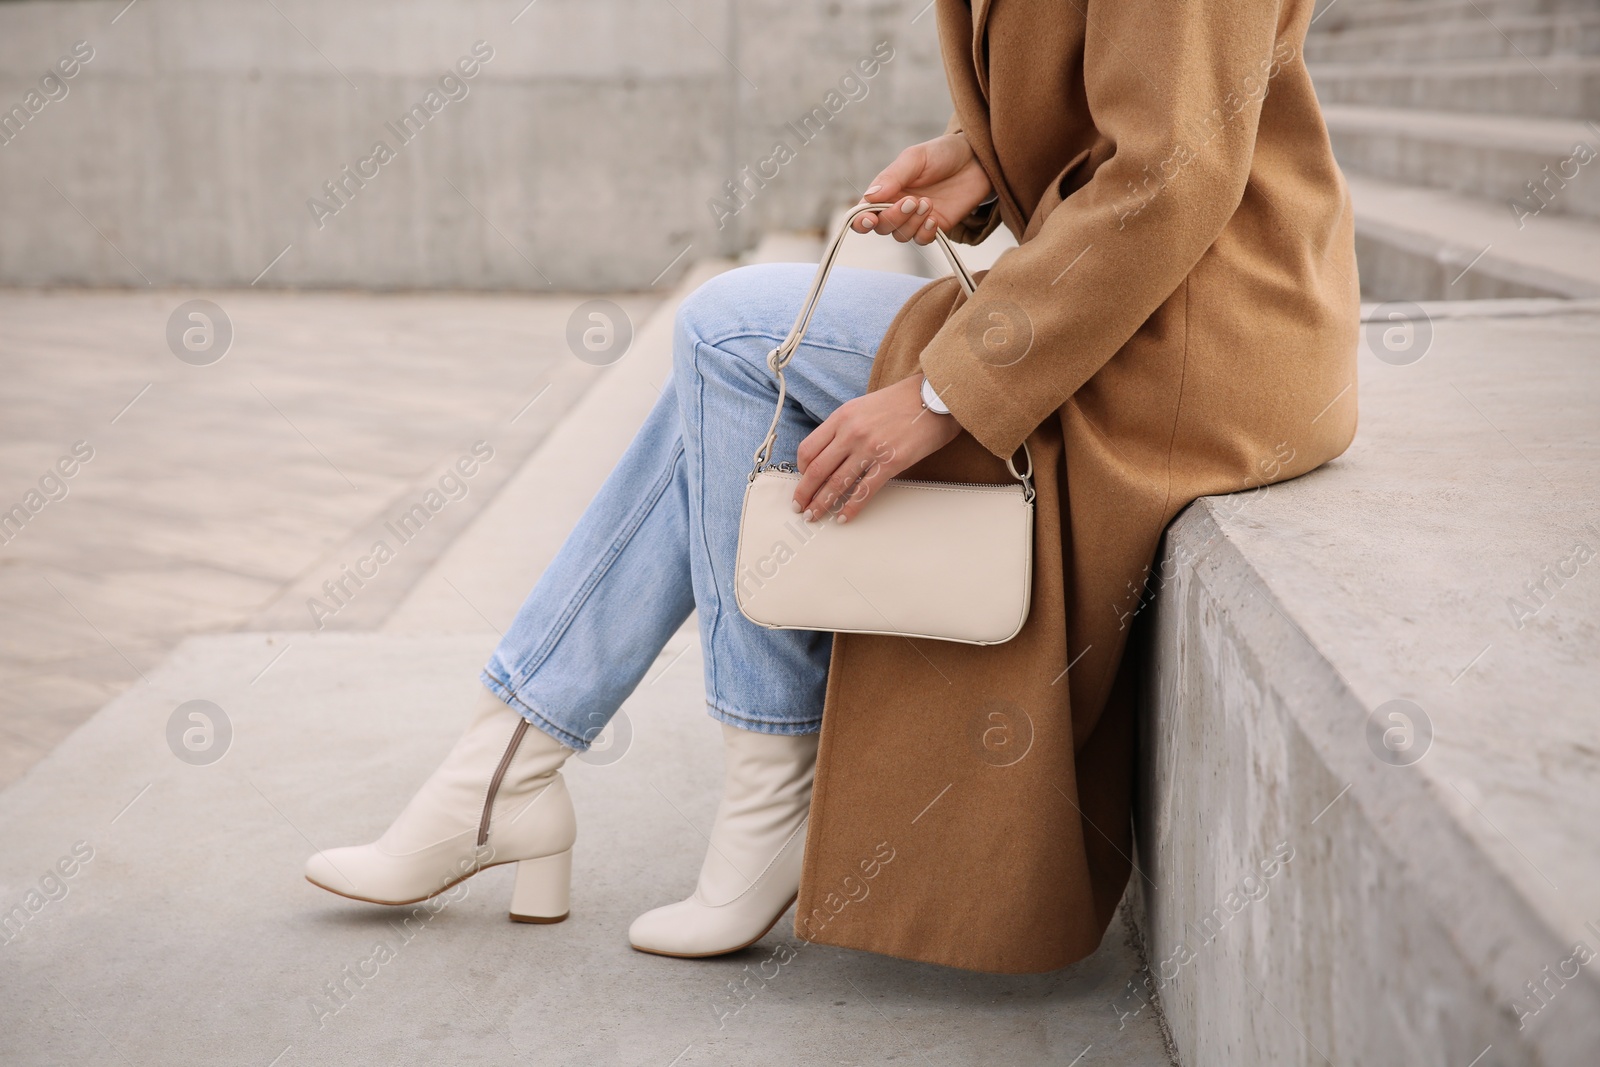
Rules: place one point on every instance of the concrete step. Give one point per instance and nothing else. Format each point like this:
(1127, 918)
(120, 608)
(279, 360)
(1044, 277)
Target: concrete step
(1552, 86)
(1495, 156)
(1442, 855)
(1415, 243)
(1336, 14)
(1537, 35)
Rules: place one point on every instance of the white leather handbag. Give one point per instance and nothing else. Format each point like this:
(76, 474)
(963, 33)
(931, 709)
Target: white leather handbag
(942, 560)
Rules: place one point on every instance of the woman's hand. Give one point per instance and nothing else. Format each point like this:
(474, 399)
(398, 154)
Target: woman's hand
(864, 443)
(934, 184)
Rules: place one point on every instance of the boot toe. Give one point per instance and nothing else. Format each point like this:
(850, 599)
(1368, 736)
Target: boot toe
(669, 931)
(323, 870)
(692, 929)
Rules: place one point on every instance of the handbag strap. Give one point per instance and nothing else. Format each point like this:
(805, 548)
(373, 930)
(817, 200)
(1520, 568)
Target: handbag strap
(779, 357)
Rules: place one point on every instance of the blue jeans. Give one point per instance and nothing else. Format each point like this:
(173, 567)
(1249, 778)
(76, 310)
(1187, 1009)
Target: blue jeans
(660, 538)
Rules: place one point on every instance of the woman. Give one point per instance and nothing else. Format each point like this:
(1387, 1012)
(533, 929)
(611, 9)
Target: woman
(1179, 320)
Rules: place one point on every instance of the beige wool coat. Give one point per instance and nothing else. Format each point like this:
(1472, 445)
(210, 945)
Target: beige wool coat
(1180, 320)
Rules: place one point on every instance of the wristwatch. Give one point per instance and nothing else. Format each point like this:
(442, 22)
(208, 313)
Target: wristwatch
(930, 399)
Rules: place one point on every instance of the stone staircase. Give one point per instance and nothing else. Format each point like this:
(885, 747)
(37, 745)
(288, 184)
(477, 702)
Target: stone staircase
(1469, 131)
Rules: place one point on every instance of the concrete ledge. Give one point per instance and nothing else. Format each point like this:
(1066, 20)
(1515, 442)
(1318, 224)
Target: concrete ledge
(1322, 889)
(1493, 156)
(1442, 14)
(1414, 243)
(1562, 85)
(1455, 39)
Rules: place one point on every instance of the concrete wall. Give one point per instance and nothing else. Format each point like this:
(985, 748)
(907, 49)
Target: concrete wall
(1262, 910)
(1369, 820)
(583, 154)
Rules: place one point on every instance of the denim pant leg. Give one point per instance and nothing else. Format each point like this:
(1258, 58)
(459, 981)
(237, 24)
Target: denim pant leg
(617, 590)
(770, 681)
(661, 537)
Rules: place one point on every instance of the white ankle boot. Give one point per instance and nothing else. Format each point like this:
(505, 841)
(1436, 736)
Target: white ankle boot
(751, 872)
(497, 798)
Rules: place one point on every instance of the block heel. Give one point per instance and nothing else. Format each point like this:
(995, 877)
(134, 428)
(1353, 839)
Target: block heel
(543, 889)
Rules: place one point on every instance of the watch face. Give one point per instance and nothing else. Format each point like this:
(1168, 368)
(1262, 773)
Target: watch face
(931, 399)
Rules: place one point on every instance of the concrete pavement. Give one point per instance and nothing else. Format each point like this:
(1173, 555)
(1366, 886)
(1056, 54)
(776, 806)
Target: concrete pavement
(213, 490)
(190, 937)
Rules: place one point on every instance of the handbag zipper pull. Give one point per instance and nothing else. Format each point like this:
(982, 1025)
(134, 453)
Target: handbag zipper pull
(780, 468)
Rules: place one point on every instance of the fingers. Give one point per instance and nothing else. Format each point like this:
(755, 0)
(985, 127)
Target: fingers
(867, 221)
(826, 479)
(917, 212)
(873, 474)
(884, 188)
(813, 445)
(892, 182)
(862, 444)
(903, 220)
(813, 473)
(840, 478)
(911, 219)
(855, 476)
(891, 220)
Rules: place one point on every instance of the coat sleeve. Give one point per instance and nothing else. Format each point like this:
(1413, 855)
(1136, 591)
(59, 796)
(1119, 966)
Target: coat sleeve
(1175, 87)
(983, 220)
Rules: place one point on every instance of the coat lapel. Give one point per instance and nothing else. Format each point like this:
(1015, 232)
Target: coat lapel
(980, 50)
